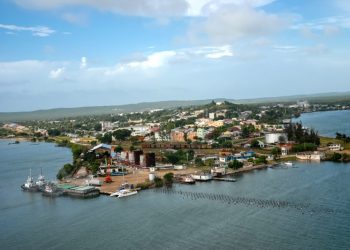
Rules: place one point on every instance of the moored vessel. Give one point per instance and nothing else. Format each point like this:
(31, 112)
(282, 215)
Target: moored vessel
(30, 185)
(124, 193)
(51, 190)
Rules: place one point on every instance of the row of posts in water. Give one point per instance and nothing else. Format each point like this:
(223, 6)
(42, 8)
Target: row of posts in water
(260, 203)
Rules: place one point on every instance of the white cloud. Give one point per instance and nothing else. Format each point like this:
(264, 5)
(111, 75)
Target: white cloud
(56, 73)
(206, 7)
(286, 48)
(41, 31)
(150, 8)
(75, 18)
(327, 26)
(233, 22)
(83, 62)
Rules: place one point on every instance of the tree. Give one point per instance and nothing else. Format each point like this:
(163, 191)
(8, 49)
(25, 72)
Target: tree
(255, 144)
(276, 151)
(336, 157)
(168, 179)
(235, 164)
(227, 144)
(98, 127)
(54, 132)
(158, 182)
(121, 134)
(198, 161)
(118, 149)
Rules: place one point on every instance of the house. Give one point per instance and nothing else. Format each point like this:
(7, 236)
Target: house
(177, 135)
(101, 148)
(335, 147)
(201, 133)
(191, 134)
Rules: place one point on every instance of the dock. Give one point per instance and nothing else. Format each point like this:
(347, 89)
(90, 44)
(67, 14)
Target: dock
(224, 179)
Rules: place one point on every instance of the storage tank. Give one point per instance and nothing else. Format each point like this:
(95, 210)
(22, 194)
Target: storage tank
(142, 160)
(150, 159)
(151, 176)
(131, 157)
(271, 138)
(137, 154)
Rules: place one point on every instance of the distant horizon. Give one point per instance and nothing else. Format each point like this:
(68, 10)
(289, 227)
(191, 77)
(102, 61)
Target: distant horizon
(326, 94)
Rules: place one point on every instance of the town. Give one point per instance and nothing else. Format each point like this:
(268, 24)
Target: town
(208, 142)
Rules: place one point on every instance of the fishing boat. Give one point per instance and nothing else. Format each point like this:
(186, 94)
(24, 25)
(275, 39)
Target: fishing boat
(51, 190)
(41, 182)
(288, 163)
(124, 193)
(30, 185)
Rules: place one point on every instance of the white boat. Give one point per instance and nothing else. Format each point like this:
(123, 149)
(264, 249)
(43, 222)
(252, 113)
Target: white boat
(41, 180)
(124, 193)
(30, 185)
(288, 163)
(202, 177)
(51, 190)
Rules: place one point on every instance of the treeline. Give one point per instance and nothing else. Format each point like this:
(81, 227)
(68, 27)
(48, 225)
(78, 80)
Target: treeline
(297, 133)
(338, 157)
(342, 137)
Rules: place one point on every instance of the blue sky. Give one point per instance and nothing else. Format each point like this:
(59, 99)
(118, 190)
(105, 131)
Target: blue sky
(69, 53)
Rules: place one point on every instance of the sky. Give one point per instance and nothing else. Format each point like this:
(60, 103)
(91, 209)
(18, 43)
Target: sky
(73, 53)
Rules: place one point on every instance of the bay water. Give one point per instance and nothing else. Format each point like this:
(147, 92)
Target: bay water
(327, 123)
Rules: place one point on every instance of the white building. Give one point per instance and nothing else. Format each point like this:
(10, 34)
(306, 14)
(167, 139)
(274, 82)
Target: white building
(335, 147)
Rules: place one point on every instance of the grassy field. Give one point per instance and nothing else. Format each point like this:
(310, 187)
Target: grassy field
(326, 140)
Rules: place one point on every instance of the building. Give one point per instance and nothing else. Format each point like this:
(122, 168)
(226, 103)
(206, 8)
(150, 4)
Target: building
(191, 135)
(335, 147)
(101, 148)
(177, 135)
(212, 116)
(106, 126)
(202, 133)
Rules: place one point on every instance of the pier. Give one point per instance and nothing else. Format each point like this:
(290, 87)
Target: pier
(224, 179)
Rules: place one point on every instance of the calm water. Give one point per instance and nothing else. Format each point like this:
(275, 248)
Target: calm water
(153, 220)
(327, 123)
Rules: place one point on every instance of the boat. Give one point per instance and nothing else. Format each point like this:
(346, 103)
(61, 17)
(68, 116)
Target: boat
(124, 193)
(51, 190)
(188, 180)
(288, 163)
(30, 185)
(82, 191)
(41, 182)
(202, 177)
